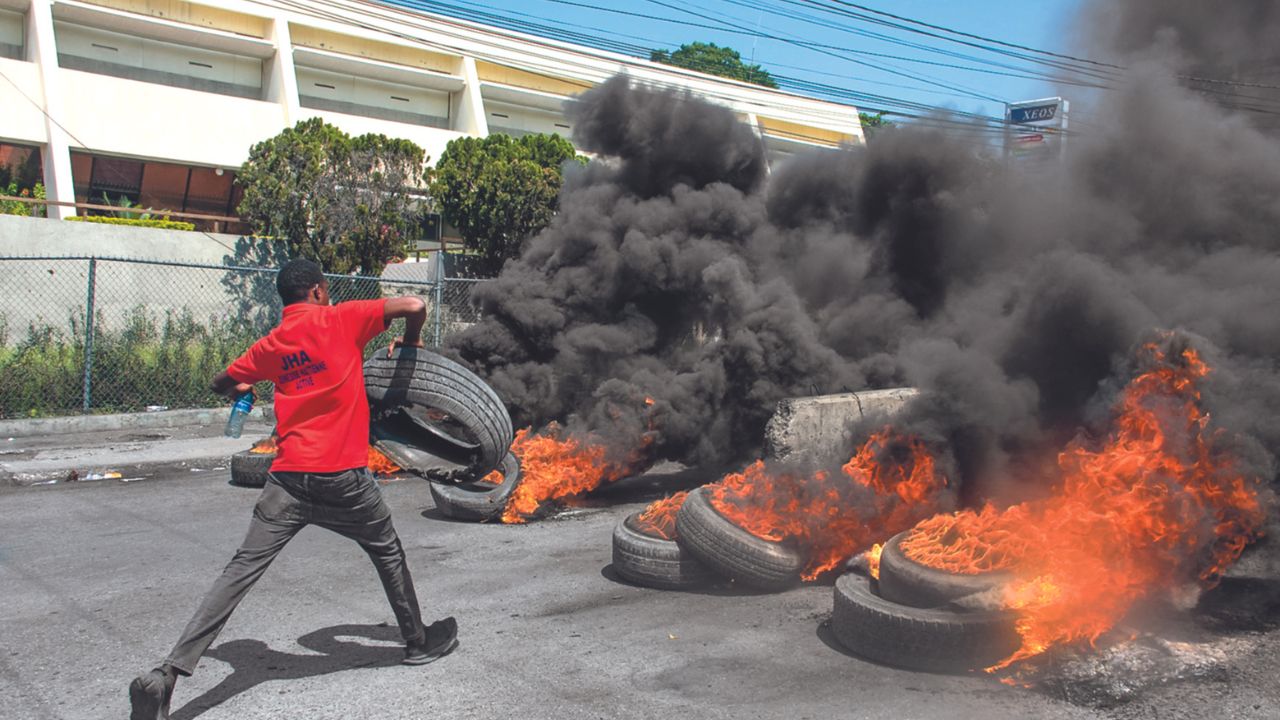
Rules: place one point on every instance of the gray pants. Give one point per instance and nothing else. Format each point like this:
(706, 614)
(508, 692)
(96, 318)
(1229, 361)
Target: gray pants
(348, 503)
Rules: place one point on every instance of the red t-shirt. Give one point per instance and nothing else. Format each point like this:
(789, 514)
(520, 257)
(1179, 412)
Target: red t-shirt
(315, 358)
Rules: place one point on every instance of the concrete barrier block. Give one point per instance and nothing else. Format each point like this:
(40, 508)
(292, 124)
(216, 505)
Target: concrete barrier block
(817, 427)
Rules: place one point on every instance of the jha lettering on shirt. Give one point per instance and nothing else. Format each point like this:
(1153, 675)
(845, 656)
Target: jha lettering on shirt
(298, 370)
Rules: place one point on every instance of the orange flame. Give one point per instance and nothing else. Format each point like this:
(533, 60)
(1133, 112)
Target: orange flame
(873, 560)
(554, 467)
(1158, 505)
(659, 519)
(379, 464)
(494, 477)
(265, 446)
(889, 484)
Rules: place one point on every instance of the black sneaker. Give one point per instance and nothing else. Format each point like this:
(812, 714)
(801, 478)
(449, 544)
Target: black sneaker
(150, 694)
(441, 639)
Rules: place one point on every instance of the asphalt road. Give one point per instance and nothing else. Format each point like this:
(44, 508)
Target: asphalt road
(96, 581)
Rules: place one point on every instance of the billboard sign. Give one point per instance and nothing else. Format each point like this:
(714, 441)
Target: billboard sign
(1036, 129)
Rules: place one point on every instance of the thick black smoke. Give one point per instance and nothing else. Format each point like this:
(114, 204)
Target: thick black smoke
(1014, 297)
(645, 286)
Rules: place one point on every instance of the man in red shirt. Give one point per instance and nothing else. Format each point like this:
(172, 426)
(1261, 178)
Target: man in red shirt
(320, 474)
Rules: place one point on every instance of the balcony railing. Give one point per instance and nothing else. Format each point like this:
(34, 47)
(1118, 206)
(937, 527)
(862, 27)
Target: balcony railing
(206, 223)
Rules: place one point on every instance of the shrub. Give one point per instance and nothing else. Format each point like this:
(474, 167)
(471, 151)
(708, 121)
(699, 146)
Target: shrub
(15, 207)
(148, 359)
(162, 224)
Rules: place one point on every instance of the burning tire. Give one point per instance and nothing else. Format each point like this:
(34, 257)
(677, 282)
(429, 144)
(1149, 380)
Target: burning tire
(732, 551)
(930, 639)
(647, 559)
(250, 469)
(478, 501)
(907, 582)
(470, 423)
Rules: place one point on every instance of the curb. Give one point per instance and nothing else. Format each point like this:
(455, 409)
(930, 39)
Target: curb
(125, 421)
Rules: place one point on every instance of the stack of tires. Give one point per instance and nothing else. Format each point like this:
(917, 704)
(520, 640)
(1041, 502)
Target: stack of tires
(917, 617)
(250, 469)
(705, 547)
(911, 616)
(647, 554)
(437, 419)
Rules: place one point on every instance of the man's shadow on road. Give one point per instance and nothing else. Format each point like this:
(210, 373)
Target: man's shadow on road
(253, 662)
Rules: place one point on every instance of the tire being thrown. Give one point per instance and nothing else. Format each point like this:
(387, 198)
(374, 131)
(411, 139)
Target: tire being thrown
(929, 639)
(907, 582)
(733, 552)
(479, 425)
(478, 501)
(251, 469)
(653, 561)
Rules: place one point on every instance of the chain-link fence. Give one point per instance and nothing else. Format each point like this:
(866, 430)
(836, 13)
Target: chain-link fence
(86, 334)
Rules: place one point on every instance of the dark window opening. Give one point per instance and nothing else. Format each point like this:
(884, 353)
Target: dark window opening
(138, 186)
(21, 170)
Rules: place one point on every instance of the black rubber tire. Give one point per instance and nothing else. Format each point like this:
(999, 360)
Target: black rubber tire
(250, 469)
(419, 418)
(907, 582)
(424, 378)
(654, 561)
(478, 501)
(731, 551)
(930, 639)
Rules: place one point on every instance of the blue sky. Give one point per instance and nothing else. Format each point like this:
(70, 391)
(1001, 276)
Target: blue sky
(764, 33)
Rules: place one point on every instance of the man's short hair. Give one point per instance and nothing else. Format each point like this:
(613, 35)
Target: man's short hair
(296, 279)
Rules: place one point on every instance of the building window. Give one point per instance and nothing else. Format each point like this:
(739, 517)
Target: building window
(12, 32)
(20, 166)
(157, 187)
(154, 61)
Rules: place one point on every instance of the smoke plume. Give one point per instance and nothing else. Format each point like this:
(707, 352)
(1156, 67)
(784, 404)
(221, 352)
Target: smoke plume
(679, 271)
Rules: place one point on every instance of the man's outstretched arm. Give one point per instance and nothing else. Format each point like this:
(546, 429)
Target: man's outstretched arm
(414, 312)
(227, 386)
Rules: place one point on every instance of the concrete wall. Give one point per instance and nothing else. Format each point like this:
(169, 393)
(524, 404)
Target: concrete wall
(817, 428)
(49, 292)
(39, 236)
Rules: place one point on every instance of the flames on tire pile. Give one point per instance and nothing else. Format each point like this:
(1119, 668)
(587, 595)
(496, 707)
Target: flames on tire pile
(1157, 505)
(887, 486)
(677, 268)
(378, 463)
(557, 466)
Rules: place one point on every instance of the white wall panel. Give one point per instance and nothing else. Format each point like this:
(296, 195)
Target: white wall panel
(162, 122)
(430, 139)
(20, 118)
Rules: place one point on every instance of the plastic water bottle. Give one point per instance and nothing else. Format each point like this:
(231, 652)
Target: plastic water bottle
(239, 411)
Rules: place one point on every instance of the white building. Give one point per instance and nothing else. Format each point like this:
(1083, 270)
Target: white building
(160, 100)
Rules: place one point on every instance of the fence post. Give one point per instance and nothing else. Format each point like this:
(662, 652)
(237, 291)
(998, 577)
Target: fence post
(435, 331)
(88, 333)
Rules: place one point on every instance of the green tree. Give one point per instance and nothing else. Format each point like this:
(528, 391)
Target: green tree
(348, 203)
(716, 60)
(872, 124)
(498, 191)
